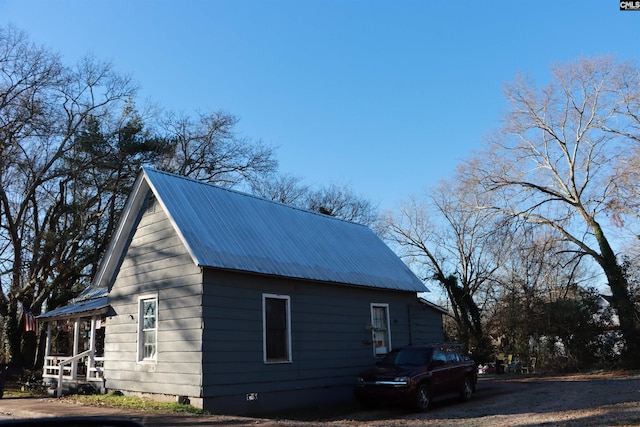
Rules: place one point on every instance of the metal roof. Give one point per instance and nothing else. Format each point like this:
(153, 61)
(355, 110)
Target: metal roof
(433, 306)
(227, 229)
(91, 292)
(76, 308)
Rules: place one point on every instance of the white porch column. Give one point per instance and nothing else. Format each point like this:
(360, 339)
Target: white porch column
(47, 347)
(76, 341)
(92, 345)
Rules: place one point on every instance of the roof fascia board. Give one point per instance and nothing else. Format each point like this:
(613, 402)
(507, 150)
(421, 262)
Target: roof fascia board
(78, 315)
(111, 258)
(171, 219)
(321, 282)
(433, 306)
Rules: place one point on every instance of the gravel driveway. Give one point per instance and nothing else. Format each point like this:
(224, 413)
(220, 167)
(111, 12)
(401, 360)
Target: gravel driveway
(570, 400)
(576, 400)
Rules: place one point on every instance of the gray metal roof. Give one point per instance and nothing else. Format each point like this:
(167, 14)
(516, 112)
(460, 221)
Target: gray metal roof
(227, 229)
(91, 292)
(76, 308)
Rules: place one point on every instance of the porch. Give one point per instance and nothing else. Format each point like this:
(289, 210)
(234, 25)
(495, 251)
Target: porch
(74, 352)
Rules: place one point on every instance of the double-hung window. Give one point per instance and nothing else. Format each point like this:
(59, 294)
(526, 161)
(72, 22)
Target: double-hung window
(147, 328)
(276, 328)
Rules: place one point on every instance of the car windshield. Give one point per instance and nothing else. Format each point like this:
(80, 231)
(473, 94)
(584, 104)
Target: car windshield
(407, 357)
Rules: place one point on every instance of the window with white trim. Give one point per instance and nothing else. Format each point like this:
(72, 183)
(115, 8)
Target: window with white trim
(147, 328)
(381, 331)
(276, 328)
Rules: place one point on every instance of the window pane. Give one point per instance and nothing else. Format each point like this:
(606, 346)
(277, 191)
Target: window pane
(149, 347)
(150, 308)
(276, 334)
(439, 356)
(149, 314)
(380, 318)
(149, 322)
(147, 337)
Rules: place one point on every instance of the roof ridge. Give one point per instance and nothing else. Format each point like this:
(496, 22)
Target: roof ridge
(242, 193)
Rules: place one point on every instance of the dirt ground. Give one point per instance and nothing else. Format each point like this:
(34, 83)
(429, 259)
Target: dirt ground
(611, 399)
(575, 400)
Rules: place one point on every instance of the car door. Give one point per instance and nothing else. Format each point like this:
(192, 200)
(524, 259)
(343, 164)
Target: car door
(439, 375)
(455, 371)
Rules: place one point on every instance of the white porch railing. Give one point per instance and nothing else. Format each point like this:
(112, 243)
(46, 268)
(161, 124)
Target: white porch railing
(95, 370)
(66, 368)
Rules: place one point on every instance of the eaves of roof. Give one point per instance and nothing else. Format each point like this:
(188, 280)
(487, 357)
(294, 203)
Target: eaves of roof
(85, 308)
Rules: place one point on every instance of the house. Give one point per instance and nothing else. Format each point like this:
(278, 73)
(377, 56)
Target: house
(237, 304)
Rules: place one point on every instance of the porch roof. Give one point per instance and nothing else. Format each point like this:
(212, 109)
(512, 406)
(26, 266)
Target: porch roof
(93, 306)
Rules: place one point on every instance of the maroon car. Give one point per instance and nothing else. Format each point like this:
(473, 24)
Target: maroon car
(415, 375)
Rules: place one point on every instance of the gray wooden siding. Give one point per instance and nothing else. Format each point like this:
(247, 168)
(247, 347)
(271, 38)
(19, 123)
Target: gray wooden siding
(156, 263)
(426, 325)
(330, 342)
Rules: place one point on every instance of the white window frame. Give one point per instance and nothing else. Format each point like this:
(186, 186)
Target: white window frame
(140, 350)
(388, 347)
(287, 298)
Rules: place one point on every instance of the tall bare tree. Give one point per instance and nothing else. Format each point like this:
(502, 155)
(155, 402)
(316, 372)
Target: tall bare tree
(451, 241)
(333, 200)
(43, 104)
(281, 188)
(207, 148)
(537, 271)
(340, 200)
(553, 163)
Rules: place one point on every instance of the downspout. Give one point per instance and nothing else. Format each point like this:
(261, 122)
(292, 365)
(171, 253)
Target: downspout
(410, 324)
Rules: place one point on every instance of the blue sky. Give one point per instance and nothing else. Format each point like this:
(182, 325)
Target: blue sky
(385, 96)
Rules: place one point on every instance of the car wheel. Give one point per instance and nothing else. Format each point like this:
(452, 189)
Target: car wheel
(423, 398)
(467, 389)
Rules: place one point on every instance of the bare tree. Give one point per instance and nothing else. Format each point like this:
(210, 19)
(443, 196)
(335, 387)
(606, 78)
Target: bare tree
(450, 241)
(537, 271)
(553, 163)
(43, 104)
(333, 200)
(207, 148)
(71, 145)
(285, 189)
(340, 201)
